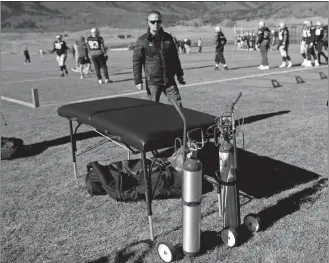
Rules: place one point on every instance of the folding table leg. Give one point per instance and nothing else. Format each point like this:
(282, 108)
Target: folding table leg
(148, 195)
(74, 148)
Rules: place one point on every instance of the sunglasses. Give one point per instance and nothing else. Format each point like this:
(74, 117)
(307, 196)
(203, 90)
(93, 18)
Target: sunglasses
(155, 21)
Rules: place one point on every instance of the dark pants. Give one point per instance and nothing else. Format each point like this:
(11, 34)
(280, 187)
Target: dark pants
(172, 92)
(264, 46)
(311, 52)
(220, 55)
(200, 49)
(319, 47)
(27, 57)
(99, 62)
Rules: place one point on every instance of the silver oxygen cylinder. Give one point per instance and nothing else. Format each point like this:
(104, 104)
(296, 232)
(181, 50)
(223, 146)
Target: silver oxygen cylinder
(228, 189)
(191, 194)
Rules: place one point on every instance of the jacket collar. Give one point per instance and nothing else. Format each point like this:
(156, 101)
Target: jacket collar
(150, 37)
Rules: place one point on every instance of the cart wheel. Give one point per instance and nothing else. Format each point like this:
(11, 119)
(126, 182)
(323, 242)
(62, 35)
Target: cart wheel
(166, 252)
(229, 236)
(252, 222)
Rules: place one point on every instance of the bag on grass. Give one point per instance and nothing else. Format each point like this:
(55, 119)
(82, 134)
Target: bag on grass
(124, 180)
(10, 147)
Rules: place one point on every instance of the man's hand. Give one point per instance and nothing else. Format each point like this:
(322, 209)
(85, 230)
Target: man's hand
(181, 80)
(139, 86)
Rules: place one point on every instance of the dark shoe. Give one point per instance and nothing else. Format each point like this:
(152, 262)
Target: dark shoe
(62, 75)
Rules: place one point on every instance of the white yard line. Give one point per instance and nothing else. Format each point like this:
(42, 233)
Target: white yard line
(110, 71)
(188, 85)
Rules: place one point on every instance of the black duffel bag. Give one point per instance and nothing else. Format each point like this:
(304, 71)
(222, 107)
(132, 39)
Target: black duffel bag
(124, 180)
(11, 147)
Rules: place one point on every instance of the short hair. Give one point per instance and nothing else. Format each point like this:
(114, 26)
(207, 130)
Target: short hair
(155, 12)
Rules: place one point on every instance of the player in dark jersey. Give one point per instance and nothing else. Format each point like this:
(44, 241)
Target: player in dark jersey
(60, 48)
(27, 56)
(253, 41)
(97, 51)
(283, 45)
(310, 45)
(320, 36)
(220, 41)
(263, 42)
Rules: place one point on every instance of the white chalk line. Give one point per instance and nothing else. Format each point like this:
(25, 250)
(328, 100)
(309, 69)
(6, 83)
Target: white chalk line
(53, 78)
(186, 86)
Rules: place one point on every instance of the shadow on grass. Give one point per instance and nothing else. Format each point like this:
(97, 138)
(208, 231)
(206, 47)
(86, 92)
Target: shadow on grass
(261, 176)
(254, 118)
(129, 253)
(37, 148)
(269, 216)
(211, 239)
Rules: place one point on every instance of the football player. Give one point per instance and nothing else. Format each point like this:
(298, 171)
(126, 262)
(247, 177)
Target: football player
(253, 41)
(263, 42)
(238, 42)
(97, 51)
(303, 43)
(283, 45)
(61, 48)
(320, 35)
(310, 43)
(83, 58)
(220, 41)
(27, 56)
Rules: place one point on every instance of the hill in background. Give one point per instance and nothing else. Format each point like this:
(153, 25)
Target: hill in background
(75, 16)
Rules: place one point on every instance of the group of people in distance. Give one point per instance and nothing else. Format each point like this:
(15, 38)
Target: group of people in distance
(246, 41)
(94, 48)
(157, 54)
(313, 43)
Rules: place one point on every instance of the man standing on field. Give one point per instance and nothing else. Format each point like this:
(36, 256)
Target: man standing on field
(156, 52)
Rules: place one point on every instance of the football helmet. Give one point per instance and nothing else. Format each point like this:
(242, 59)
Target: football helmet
(94, 32)
(217, 29)
(59, 37)
(261, 24)
(282, 25)
(319, 24)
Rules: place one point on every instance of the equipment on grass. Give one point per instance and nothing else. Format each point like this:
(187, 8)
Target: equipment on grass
(226, 180)
(11, 147)
(4, 120)
(191, 195)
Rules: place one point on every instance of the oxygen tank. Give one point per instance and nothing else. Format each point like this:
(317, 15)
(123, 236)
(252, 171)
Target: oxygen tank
(228, 189)
(191, 194)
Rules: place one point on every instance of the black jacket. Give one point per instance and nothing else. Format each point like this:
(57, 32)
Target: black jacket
(160, 57)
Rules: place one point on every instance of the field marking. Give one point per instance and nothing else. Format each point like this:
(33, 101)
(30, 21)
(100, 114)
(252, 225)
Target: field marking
(52, 78)
(27, 104)
(185, 86)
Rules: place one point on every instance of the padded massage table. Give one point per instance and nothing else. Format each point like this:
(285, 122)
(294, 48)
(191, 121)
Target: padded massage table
(138, 125)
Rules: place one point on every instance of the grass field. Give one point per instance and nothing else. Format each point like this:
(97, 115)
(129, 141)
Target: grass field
(48, 216)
